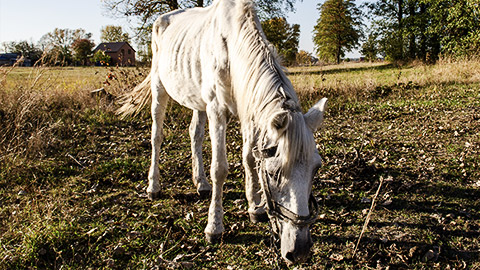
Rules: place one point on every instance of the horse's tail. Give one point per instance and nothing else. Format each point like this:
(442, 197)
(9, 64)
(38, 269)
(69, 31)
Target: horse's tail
(134, 101)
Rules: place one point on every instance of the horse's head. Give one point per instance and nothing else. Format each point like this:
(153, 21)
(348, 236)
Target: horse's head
(286, 167)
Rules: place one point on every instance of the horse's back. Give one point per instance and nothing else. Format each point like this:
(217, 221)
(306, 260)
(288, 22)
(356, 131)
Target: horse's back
(189, 53)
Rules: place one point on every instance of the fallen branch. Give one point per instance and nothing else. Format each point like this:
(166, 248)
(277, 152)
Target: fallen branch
(367, 219)
(74, 159)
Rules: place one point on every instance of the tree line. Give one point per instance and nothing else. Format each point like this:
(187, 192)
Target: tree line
(67, 46)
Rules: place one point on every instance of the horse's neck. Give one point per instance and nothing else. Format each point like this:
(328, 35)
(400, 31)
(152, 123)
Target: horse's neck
(255, 73)
(259, 85)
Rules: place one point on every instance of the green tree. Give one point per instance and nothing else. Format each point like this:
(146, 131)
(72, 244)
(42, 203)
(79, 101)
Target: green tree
(370, 48)
(397, 25)
(82, 50)
(338, 29)
(100, 58)
(415, 29)
(112, 33)
(456, 23)
(284, 37)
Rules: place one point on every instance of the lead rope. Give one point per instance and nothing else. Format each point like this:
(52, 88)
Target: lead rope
(273, 220)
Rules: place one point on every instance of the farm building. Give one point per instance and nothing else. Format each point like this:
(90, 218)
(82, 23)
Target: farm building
(121, 53)
(9, 59)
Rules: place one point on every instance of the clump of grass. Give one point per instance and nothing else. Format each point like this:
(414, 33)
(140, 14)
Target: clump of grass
(33, 113)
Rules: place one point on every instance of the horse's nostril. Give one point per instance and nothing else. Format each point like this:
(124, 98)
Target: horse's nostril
(289, 256)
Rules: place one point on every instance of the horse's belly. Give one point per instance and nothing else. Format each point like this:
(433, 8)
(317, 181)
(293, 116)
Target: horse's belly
(186, 94)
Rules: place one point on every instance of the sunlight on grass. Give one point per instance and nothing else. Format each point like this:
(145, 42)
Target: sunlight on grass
(363, 78)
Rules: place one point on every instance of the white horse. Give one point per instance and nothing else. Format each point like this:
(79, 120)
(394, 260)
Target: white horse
(216, 60)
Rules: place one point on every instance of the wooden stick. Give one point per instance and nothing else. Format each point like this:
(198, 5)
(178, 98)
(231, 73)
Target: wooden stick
(367, 219)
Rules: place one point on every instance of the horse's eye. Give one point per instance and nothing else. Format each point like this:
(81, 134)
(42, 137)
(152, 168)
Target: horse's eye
(269, 152)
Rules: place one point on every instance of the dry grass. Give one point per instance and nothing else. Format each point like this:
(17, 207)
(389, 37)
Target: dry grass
(39, 104)
(72, 175)
(364, 80)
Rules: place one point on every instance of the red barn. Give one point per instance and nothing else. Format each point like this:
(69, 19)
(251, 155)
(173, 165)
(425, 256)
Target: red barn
(122, 53)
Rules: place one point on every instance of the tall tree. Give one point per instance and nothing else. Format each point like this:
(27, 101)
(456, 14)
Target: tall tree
(284, 37)
(82, 50)
(338, 29)
(112, 33)
(457, 24)
(370, 47)
(389, 26)
(57, 44)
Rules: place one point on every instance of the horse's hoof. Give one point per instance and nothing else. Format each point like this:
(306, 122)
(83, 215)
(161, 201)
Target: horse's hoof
(153, 195)
(257, 218)
(204, 194)
(213, 238)
(204, 189)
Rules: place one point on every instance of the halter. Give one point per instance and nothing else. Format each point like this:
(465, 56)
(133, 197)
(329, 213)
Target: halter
(281, 212)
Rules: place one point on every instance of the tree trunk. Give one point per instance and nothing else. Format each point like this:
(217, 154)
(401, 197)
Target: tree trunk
(423, 29)
(435, 43)
(412, 46)
(400, 26)
(339, 51)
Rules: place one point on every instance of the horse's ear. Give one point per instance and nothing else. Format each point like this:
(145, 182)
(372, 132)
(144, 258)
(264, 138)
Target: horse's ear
(280, 121)
(314, 116)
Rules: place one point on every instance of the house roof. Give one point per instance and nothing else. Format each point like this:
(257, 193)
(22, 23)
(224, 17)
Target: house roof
(112, 46)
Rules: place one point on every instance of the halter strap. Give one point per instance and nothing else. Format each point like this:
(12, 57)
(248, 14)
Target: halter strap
(281, 212)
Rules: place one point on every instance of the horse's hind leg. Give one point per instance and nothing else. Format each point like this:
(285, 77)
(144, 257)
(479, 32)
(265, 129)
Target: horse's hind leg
(159, 103)
(197, 134)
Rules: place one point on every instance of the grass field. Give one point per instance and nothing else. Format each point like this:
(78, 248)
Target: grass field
(73, 175)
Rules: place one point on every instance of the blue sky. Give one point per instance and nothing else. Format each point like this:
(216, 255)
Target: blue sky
(31, 19)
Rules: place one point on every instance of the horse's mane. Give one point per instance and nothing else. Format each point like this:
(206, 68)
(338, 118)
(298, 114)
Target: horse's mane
(263, 91)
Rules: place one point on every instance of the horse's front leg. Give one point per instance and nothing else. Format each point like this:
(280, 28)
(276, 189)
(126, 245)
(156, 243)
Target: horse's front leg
(253, 191)
(218, 170)
(197, 132)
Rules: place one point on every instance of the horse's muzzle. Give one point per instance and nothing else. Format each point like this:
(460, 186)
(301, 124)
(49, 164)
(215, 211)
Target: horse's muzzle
(296, 244)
